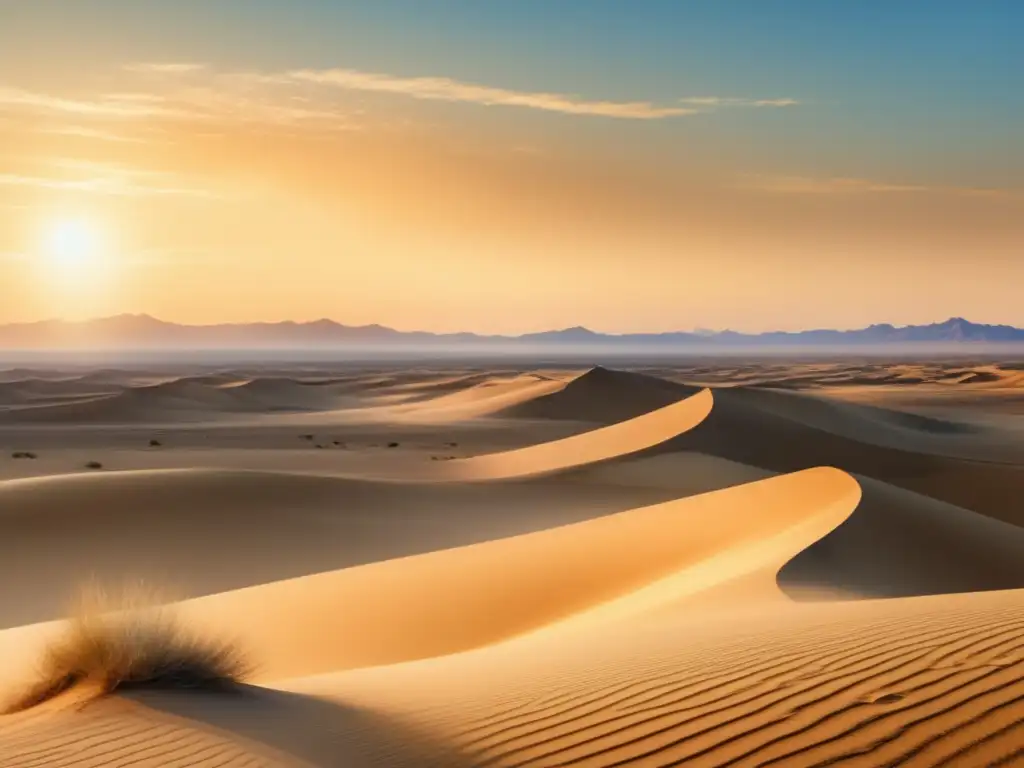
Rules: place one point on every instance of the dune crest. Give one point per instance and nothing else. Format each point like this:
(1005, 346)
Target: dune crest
(617, 440)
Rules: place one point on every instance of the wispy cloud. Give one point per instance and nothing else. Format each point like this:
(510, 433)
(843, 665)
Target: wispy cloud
(808, 185)
(15, 98)
(193, 92)
(166, 67)
(93, 133)
(223, 100)
(715, 102)
(447, 89)
(122, 186)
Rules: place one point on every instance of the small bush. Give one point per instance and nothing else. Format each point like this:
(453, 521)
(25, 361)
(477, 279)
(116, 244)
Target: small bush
(139, 647)
(392, 445)
(306, 437)
(24, 455)
(94, 465)
(155, 443)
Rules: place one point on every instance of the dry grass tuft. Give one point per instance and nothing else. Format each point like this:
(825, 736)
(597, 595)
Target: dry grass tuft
(136, 645)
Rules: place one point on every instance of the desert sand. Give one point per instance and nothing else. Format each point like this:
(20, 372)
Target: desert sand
(718, 563)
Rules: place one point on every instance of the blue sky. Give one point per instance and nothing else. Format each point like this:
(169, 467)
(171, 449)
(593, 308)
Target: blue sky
(900, 83)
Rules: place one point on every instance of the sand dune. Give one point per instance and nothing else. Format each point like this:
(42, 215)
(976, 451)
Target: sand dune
(899, 543)
(604, 396)
(686, 578)
(745, 427)
(490, 397)
(203, 531)
(180, 399)
(628, 437)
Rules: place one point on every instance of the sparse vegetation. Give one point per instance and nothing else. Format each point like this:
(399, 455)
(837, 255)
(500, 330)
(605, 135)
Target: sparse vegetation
(155, 443)
(392, 445)
(24, 455)
(94, 465)
(137, 646)
(306, 437)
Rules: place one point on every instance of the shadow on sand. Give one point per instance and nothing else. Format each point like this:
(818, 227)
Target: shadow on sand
(289, 728)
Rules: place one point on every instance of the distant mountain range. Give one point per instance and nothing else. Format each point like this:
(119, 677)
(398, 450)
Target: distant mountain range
(145, 332)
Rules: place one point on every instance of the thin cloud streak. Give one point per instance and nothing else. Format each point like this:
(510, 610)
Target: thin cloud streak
(841, 186)
(93, 133)
(166, 68)
(194, 93)
(15, 98)
(120, 187)
(726, 101)
(446, 89)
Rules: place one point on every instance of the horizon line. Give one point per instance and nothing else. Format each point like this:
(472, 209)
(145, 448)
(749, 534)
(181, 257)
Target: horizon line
(696, 331)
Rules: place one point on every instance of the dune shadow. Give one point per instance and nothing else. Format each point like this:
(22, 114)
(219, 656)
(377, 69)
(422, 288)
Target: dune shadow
(317, 731)
(898, 543)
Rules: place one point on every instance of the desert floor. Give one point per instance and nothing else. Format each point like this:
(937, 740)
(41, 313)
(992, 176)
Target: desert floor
(715, 563)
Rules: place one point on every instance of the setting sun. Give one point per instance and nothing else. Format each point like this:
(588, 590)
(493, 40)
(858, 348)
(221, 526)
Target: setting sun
(72, 245)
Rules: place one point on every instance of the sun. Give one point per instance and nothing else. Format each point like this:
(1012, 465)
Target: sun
(72, 245)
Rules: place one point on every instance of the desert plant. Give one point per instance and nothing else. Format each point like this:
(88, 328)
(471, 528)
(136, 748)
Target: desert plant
(137, 646)
(94, 465)
(155, 443)
(392, 445)
(306, 437)
(23, 455)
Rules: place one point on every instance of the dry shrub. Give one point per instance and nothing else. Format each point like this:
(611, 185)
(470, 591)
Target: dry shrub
(133, 642)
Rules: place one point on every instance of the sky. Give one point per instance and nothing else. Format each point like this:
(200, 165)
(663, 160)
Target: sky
(507, 167)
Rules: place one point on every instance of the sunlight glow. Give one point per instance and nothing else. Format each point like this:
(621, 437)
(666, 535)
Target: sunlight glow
(72, 246)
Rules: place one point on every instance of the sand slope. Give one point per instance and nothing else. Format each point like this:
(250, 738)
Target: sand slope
(628, 437)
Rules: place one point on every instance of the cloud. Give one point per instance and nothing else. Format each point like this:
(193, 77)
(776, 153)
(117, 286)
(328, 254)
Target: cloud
(105, 107)
(93, 133)
(166, 68)
(226, 99)
(725, 101)
(102, 185)
(191, 92)
(808, 185)
(446, 89)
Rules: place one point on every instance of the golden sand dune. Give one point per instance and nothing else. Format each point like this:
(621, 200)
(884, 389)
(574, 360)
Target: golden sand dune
(746, 428)
(203, 531)
(652, 592)
(603, 396)
(628, 437)
(202, 398)
(489, 397)
(538, 578)
(916, 682)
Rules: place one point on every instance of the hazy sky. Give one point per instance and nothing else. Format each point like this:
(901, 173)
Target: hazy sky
(513, 166)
